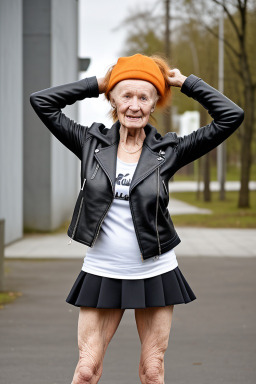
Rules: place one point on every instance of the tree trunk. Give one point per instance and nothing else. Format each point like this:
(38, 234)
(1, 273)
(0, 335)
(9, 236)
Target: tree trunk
(206, 159)
(246, 147)
(199, 166)
(207, 191)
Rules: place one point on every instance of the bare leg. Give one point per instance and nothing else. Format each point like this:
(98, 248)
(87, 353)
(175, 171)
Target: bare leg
(96, 327)
(154, 325)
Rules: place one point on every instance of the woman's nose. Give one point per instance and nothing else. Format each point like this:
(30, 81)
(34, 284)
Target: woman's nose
(134, 106)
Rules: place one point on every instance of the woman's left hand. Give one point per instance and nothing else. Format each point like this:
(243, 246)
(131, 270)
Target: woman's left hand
(176, 79)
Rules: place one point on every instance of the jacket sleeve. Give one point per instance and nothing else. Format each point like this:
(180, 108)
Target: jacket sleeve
(49, 102)
(227, 117)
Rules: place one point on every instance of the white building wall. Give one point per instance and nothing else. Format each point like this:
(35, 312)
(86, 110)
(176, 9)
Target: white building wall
(189, 122)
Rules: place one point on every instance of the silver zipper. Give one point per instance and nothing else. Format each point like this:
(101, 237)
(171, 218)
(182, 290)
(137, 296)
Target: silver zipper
(83, 185)
(135, 226)
(160, 153)
(76, 223)
(98, 231)
(165, 187)
(96, 170)
(79, 212)
(157, 203)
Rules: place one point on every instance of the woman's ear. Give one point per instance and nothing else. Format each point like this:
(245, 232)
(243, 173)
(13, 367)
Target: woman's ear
(154, 105)
(112, 100)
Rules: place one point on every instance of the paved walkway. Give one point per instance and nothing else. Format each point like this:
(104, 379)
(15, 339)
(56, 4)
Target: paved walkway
(194, 242)
(178, 207)
(192, 186)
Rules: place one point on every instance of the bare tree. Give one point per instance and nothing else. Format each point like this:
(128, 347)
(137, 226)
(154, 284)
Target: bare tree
(237, 50)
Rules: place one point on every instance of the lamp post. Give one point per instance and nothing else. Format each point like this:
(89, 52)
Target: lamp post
(168, 112)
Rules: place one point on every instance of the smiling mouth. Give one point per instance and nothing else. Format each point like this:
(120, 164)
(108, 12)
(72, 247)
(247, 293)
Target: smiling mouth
(133, 117)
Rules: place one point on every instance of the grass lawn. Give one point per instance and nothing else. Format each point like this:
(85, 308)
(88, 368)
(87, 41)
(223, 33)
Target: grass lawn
(225, 214)
(233, 174)
(8, 297)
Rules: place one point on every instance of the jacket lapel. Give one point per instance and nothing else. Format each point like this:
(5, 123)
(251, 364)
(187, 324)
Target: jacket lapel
(107, 160)
(148, 162)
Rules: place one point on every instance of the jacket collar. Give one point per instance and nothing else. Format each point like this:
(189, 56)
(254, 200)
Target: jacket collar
(153, 138)
(150, 158)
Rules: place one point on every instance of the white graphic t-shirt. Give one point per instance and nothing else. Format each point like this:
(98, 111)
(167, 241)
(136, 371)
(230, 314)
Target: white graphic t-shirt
(116, 252)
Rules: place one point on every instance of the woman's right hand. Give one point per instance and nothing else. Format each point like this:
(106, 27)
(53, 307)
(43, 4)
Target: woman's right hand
(102, 84)
(176, 79)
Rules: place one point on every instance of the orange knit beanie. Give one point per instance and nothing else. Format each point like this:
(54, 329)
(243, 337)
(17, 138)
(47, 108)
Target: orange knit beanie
(139, 67)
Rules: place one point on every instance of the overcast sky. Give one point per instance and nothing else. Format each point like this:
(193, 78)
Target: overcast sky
(103, 45)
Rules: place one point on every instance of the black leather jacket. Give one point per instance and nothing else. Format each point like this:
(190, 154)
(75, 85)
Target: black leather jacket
(161, 156)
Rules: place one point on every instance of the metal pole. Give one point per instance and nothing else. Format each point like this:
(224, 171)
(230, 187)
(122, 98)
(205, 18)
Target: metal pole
(167, 113)
(221, 149)
(167, 29)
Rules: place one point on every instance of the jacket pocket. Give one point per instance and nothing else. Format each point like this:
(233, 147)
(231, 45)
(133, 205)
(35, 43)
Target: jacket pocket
(77, 211)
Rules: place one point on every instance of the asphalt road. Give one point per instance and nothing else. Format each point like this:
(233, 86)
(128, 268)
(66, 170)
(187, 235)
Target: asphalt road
(212, 339)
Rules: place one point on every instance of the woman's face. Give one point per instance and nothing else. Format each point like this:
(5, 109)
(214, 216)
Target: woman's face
(134, 101)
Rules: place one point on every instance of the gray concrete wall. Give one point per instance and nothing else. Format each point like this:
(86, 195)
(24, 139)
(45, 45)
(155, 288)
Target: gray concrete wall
(64, 69)
(11, 159)
(36, 139)
(50, 58)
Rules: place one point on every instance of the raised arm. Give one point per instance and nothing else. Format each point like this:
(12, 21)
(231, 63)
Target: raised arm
(49, 102)
(227, 117)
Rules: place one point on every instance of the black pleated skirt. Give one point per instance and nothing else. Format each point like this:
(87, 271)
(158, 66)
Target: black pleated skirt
(95, 291)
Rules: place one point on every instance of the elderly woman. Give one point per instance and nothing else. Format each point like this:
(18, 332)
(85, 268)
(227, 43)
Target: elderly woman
(121, 211)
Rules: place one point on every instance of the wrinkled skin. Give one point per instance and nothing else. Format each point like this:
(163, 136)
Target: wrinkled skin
(134, 100)
(96, 327)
